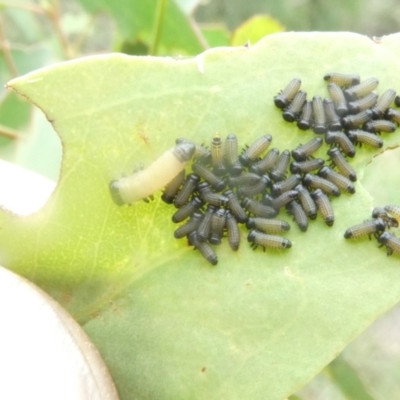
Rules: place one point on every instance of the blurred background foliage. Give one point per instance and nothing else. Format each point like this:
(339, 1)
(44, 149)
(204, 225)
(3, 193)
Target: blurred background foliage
(38, 33)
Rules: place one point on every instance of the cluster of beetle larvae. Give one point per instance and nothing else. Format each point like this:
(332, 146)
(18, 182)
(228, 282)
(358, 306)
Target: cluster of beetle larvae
(258, 188)
(226, 188)
(382, 218)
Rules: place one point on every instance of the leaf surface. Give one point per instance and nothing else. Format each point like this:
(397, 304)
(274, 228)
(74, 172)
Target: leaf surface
(168, 324)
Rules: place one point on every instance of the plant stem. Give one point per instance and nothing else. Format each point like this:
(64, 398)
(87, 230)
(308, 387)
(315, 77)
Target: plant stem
(158, 23)
(8, 132)
(5, 48)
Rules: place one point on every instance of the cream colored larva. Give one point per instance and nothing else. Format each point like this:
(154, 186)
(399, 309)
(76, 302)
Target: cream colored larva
(146, 182)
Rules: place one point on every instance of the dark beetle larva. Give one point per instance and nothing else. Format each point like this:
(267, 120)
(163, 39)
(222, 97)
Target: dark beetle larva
(384, 102)
(283, 99)
(369, 227)
(393, 115)
(209, 196)
(362, 104)
(358, 136)
(266, 163)
(218, 222)
(267, 241)
(341, 163)
(278, 173)
(233, 231)
(362, 89)
(256, 149)
(190, 226)
(288, 184)
(231, 155)
(203, 171)
(187, 210)
(354, 121)
(391, 242)
(338, 98)
(339, 138)
(397, 101)
(338, 179)
(306, 201)
(302, 167)
(201, 154)
(304, 151)
(380, 212)
(305, 118)
(144, 183)
(316, 182)
(258, 209)
(205, 249)
(268, 225)
(299, 216)
(343, 80)
(324, 206)
(245, 179)
(333, 120)
(186, 190)
(172, 188)
(204, 229)
(380, 125)
(293, 110)
(281, 200)
(235, 206)
(252, 190)
(319, 115)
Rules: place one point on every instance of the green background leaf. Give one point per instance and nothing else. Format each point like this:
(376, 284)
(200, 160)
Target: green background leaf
(167, 323)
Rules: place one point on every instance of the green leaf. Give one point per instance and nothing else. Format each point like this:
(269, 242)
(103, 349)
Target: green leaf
(254, 29)
(258, 325)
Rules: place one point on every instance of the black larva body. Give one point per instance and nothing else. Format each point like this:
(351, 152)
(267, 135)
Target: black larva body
(341, 164)
(286, 95)
(393, 115)
(189, 185)
(268, 225)
(305, 119)
(391, 242)
(231, 155)
(215, 181)
(319, 115)
(306, 201)
(235, 207)
(204, 229)
(358, 136)
(188, 209)
(233, 232)
(380, 125)
(394, 211)
(252, 190)
(383, 103)
(364, 103)
(380, 212)
(258, 209)
(343, 80)
(367, 228)
(338, 98)
(316, 182)
(288, 184)
(281, 200)
(340, 138)
(218, 222)
(324, 206)
(302, 167)
(172, 188)
(278, 173)
(338, 179)
(201, 154)
(356, 120)
(245, 179)
(293, 110)
(304, 151)
(332, 118)
(266, 163)
(267, 241)
(209, 196)
(205, 249)
(255, 150)
(190, 226)
(299, 216)
(362, 89)
(397, 101)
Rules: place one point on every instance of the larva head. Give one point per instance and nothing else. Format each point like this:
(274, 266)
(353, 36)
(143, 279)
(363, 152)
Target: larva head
(115, 194)
(184, 151)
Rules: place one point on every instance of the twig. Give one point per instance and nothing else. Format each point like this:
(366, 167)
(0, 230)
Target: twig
(8, 132)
